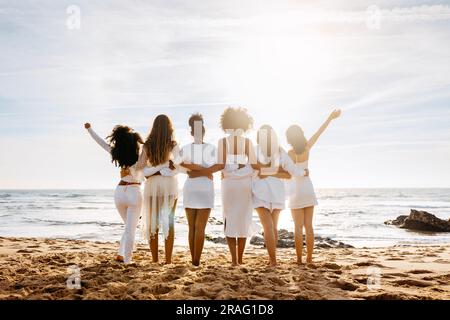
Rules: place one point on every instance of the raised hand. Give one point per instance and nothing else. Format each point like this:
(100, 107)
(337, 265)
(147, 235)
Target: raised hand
(87, 125)
(335, 114)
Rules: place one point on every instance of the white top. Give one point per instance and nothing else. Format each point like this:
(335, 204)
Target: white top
(198, 193)
(232, 163)
(271, 189)
(135, 175)
(163, 169)
(200, 154)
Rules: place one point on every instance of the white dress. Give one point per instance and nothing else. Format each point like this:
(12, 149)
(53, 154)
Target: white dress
(270, 192)
(237, 202)
(198, 193)
(301, 190)
(160, 196)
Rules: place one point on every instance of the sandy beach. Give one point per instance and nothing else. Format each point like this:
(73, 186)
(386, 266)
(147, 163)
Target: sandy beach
(37, 269)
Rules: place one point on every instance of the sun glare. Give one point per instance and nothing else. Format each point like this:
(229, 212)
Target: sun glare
(277, 70)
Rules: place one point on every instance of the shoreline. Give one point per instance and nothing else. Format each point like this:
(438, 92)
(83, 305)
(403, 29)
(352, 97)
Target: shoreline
(32, 268)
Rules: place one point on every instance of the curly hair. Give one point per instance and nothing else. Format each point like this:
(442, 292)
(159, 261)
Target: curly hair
(160, 141)
(236, 119)
(125, 145)
(196, 117)
(296, 138)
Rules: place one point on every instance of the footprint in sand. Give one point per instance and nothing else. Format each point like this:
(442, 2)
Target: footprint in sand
(345, 285)
(368, 264)
(420, 271)
(412, 283)
(394, 259)
(441, 261)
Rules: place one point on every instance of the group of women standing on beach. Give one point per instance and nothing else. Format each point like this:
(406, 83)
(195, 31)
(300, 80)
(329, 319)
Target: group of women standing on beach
(252, 178)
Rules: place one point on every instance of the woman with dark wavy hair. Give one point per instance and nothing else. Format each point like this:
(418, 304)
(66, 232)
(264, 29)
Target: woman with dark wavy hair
(124, 145)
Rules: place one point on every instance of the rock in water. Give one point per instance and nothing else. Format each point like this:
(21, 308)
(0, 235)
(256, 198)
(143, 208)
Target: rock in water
(421, 221)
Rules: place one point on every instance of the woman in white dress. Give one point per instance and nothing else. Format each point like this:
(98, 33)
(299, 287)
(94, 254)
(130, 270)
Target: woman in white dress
(302, 197)
(269, 188)
(161, 187)
(198, 191)
(123, 146)
(236, 158)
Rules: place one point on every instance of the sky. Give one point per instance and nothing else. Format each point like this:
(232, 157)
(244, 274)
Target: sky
(385, 63)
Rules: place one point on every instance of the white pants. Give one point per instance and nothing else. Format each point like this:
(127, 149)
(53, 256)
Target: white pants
(128, 201)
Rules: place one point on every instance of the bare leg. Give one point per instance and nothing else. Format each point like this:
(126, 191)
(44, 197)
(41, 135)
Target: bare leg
(269, 235)
(200, 224)
(154, 237)
(154, 246)
(168, 243)
(298, 216)
(190, 215)
(309, 230)
(275, 218)
(232, 246)
(241, 248)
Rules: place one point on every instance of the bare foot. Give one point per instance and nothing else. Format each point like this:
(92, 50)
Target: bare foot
(309, 260)
(234, 263)
(168, 262)
(119, 258)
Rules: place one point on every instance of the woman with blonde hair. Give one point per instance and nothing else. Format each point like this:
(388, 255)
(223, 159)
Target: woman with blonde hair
(268, 187)
(302, 197)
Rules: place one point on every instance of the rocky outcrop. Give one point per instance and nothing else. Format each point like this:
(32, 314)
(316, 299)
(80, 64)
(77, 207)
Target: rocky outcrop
(421, 221)
(286, 240)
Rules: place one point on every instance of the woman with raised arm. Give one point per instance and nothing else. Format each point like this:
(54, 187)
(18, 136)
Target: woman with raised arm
(198, 192)
(302, 197)
(268, 186)
(159, 155)
(123, 145)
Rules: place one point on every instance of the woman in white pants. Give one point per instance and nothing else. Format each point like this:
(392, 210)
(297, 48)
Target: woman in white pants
(124, 145)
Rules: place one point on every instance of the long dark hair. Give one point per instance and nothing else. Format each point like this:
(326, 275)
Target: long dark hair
(125, 145)
(296, 138)
(160, 141)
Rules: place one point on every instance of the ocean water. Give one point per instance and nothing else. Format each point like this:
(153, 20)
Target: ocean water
(354, 216)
